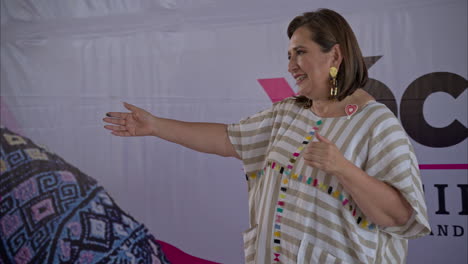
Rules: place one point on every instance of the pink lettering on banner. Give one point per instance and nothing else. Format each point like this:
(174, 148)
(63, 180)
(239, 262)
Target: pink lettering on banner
(276, 88)
(443, 166)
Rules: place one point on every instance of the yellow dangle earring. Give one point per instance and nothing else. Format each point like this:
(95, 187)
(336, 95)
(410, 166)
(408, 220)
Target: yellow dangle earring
(333, 83)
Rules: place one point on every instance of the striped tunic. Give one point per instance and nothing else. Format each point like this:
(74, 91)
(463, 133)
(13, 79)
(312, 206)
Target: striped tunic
(299, 214)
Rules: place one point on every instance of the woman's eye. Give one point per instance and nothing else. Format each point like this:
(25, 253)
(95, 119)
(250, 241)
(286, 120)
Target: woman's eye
(298, 52)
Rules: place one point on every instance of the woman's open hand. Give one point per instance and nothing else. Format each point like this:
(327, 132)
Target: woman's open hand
(136, 123)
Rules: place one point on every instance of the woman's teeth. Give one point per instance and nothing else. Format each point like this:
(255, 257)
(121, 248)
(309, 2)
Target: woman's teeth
(301, 78)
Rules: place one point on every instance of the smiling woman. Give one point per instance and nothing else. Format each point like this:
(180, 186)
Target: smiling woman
(326, 40)
(332, 175)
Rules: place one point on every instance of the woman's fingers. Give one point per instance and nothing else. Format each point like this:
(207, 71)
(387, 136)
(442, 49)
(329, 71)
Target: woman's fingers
(121, 133)
(115, 128)
(316, 158)
(123, 124)
(115, 121)
(118, 114)
(130, 107)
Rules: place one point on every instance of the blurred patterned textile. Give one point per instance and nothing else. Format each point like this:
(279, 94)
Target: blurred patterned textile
(51, 212)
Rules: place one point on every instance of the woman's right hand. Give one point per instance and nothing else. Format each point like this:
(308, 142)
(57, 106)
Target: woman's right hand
(136, 123)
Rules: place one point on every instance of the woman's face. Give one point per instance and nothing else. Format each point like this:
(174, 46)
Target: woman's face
(309, 66)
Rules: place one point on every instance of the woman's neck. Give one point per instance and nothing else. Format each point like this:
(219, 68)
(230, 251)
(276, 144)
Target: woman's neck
(334, 108)
(325, 107)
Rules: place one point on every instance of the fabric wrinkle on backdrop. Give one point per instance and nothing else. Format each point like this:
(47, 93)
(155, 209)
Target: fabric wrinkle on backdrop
(63, 65)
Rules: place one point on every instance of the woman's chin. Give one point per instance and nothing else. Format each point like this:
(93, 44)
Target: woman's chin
(310, 95)
(301, 92)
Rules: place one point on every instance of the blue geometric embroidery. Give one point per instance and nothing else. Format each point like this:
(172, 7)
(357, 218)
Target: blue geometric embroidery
(50, 212)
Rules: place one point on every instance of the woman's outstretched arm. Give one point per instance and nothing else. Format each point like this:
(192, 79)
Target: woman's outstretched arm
(203, 137)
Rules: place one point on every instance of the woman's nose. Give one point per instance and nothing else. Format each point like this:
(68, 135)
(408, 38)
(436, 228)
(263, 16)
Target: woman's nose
(292, 65)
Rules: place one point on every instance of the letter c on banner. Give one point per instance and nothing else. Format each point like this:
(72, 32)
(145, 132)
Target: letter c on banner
(382, 94)
(411, 110)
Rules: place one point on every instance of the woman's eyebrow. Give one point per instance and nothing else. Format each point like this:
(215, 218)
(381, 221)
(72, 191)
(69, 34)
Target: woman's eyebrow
(295, 48)
(298, 47)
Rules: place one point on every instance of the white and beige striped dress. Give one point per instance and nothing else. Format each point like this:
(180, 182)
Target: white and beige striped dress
(299, 214)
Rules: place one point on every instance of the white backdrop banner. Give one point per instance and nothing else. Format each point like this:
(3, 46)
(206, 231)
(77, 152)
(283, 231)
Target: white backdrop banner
(63, 66)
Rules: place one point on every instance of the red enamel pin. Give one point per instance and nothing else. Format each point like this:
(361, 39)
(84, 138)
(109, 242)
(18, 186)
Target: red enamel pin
(350, 110)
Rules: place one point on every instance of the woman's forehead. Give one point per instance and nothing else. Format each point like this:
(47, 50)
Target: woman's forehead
(301, 38)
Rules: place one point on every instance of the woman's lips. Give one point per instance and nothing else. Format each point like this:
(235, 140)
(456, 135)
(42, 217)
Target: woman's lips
(300, 78)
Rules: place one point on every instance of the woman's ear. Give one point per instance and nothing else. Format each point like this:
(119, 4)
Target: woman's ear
(337, 57)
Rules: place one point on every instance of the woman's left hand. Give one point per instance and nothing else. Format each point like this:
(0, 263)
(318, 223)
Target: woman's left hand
(324, 155)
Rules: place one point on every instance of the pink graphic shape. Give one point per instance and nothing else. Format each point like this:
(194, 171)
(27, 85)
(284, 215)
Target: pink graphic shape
(443, 166)
(276, 88)
(176, 255)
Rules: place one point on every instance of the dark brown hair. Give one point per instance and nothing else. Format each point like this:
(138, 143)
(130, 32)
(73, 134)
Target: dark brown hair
(328, 28)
